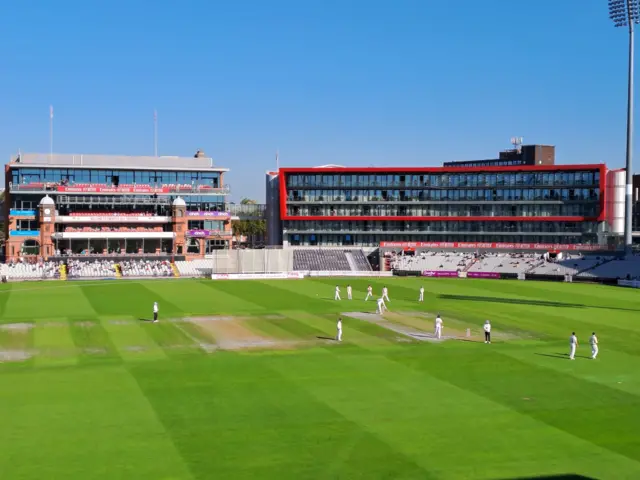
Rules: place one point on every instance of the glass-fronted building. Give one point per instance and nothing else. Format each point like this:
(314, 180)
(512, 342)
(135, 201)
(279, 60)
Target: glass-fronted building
(107, 204)
(562, 204)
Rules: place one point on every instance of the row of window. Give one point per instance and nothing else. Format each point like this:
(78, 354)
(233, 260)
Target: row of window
(194, 202)
(441, 226)
(373, 240)
(78, 175)
(305, 180)
(447, 210)
(215, 225)
(485, 163)
(480, 195)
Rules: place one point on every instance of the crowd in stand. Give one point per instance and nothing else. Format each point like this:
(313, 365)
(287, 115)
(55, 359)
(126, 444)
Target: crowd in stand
(111, 214)
(94, 268)
(146, 268)
(31, 269)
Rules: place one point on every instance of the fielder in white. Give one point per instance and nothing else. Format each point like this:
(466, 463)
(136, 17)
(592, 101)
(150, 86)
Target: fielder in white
(155, 312)
(438, 325)
(381, 306)
(369, 293)
(385, 294)
(349, 293)
(593, 340)
(339, 328)
(421, 298)
(337, 295)
(573, 344)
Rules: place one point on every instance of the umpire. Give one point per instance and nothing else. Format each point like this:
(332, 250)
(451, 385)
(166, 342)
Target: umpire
(487, 331)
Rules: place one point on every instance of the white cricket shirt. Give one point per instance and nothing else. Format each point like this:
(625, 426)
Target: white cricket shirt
(487, 327)
(573, 340)
(593, 340)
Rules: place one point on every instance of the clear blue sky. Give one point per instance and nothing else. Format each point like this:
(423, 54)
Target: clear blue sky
(367, 82)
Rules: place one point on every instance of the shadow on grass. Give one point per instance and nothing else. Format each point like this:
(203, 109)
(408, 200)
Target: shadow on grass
(563, 356)
(553, 477)
(517, 301)
(325, 338)
(150, 320)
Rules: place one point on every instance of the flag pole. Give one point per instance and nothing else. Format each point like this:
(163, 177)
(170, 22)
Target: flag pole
(50, 133)
(277, 160)
(155, 133)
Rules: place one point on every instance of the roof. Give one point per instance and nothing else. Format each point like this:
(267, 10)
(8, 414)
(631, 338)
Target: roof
(47, 200)
(179, 202)
(128, 162)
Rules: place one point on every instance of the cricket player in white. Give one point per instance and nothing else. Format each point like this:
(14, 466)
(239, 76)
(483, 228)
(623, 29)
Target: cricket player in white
(337, 296)
(438, 332)
(385, 294)
(573, 344)
(381, 306)
(593, 340)
(421, 299)
(155, 312)
(487, 331)
(339, 327)
(349, 292)
(369, 293)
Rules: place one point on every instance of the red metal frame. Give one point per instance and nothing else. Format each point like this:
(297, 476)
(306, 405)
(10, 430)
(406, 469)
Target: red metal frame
(602, 168)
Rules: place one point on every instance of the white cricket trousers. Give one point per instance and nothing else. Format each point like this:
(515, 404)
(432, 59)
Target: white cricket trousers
(368, 297)
(594, 351)
(421, 299)
(339, 335)
(386, 297)
(438, 332)
(573, 352)
(337, 297)
(349, 296)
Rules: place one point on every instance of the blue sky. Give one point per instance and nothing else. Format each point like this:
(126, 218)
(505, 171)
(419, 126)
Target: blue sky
(352, 82)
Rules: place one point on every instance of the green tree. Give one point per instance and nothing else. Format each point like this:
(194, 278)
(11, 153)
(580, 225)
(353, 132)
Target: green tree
(247, 201)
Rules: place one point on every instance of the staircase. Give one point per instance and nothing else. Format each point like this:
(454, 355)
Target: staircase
(351, 261)
(63, 272)
(176, 272)
(118, 271)
(469, 265)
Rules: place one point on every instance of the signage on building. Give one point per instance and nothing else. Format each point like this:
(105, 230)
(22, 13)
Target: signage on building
(24, 233)
(209, 214)
(489, 246)
(22, 213)
(204, 233)
(112, 219)
(132, 189)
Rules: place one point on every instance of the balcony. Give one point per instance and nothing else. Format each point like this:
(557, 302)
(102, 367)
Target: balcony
(127, 189)
(109, 217)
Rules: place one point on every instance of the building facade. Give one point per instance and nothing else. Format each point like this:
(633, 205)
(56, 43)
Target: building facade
(521, 155)
(104, 204)
(560, 204)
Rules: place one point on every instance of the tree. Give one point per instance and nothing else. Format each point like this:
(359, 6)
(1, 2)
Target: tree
(247, 201)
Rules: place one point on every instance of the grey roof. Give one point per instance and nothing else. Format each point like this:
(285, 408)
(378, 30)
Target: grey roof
(114, 161)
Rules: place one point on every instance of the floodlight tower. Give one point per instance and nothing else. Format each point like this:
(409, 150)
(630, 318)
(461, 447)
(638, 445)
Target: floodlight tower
(626, 13)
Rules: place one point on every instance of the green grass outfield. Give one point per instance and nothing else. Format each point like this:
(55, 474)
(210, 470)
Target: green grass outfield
(91, 390)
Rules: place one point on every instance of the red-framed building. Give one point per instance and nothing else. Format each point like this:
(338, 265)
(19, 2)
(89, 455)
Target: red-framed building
(360, 206)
